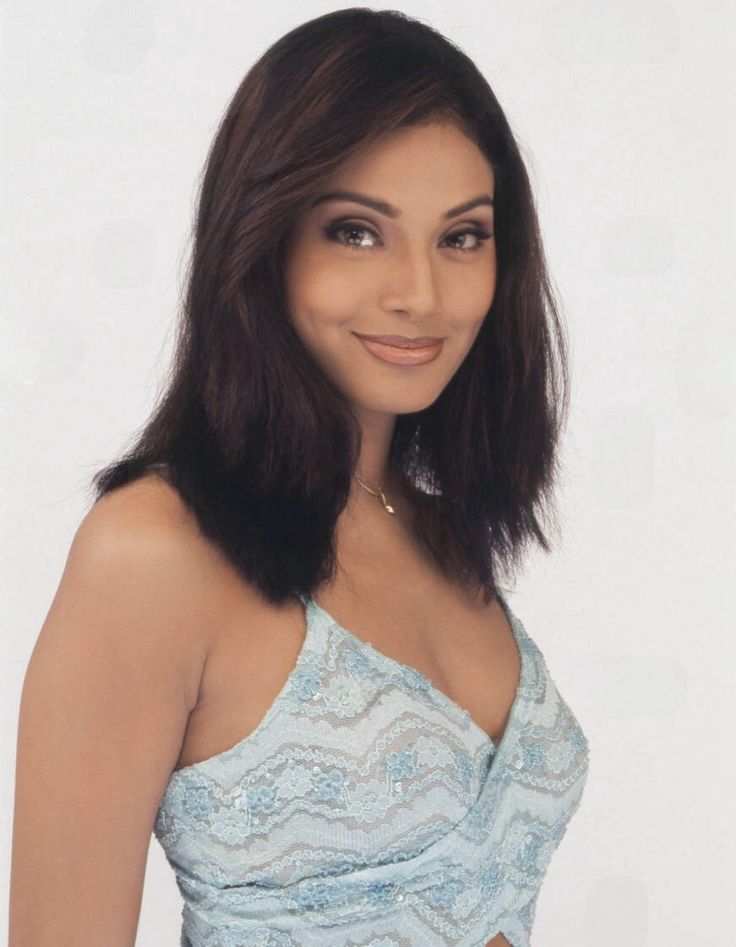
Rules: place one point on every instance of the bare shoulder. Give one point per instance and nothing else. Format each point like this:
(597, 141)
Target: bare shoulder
(105, 704)
(148, 502)
(234, 633)
(147, 522)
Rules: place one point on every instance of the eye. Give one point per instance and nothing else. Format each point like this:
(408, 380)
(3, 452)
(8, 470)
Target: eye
(480, 234)
(334, 230)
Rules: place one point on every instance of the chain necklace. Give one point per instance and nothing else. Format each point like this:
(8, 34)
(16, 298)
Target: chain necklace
(380, 494)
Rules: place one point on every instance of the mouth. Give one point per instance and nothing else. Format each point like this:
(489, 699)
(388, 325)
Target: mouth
(403, 354)
(403, 341)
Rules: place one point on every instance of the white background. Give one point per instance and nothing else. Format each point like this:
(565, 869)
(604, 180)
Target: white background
(624, 114)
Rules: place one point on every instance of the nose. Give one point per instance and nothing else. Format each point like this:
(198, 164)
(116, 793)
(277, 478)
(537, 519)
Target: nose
(409, 282)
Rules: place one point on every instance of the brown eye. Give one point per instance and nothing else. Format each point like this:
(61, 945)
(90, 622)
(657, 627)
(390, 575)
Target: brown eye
(480, 235)
(333, 231)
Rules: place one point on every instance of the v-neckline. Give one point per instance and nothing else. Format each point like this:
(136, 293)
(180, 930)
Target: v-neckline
(393, 663)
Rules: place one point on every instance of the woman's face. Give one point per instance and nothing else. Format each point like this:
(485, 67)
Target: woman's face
(404, 269)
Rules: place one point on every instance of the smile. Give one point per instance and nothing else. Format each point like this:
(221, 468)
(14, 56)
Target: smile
(396, 355)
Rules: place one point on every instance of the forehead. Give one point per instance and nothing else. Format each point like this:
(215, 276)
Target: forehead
(435, 158)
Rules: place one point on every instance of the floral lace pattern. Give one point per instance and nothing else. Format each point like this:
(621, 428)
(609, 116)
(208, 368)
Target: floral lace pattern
(368, 809)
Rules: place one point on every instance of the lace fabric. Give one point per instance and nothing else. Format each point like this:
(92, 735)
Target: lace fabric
(368, 809)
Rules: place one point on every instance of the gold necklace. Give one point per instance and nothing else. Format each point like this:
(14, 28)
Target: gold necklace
(379, 494)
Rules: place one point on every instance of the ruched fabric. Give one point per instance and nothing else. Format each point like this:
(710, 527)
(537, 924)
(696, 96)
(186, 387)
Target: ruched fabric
(368, 809)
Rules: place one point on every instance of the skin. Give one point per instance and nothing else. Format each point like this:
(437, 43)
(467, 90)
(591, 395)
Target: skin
(415, 275)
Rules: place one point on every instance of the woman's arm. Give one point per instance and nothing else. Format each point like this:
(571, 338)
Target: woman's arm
(109, 686)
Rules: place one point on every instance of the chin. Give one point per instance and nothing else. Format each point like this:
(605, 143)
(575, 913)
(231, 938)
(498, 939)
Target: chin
(397, 405)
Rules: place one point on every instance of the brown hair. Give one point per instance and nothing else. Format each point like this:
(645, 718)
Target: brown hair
(257, 440)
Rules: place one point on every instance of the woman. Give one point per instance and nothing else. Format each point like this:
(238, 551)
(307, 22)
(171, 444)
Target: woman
(279, 641)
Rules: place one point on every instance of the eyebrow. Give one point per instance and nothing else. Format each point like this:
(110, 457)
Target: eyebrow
(390, 211)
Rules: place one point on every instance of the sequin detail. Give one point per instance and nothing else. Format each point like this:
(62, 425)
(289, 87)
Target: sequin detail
(368, 809)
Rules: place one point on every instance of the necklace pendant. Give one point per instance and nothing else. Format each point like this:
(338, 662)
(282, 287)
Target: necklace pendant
(380, 494)
(387, 507)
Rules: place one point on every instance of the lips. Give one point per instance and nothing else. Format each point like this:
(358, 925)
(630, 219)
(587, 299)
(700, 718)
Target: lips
(403, 341)
(412, 354)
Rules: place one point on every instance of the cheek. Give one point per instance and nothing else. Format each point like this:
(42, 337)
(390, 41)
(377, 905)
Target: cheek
(471, 299)
(474, 289)
(474, 299)
(319, 318)
(319, 292)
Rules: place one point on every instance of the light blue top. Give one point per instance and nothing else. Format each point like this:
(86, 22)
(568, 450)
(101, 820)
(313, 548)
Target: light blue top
(368, 809)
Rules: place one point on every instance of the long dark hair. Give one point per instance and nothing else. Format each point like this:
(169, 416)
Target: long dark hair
(257, 440)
